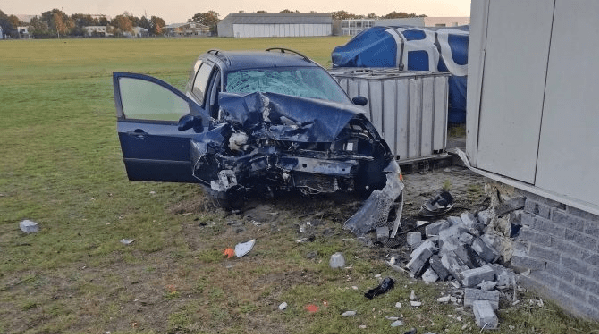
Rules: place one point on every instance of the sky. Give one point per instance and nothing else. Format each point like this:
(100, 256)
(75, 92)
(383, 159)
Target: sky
(173, 11)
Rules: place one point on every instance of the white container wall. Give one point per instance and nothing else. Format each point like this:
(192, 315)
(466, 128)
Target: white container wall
(408, 109)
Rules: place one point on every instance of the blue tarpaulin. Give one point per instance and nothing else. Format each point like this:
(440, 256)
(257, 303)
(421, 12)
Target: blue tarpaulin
(414, 49)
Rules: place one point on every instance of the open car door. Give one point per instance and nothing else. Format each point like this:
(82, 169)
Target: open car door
(148, 114)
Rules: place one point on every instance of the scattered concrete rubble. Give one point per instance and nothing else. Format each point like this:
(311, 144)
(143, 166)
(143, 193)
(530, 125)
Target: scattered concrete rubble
(466, 251)
(28, 226)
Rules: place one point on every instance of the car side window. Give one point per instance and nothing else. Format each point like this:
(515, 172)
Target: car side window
(147, 100)
(198, 90)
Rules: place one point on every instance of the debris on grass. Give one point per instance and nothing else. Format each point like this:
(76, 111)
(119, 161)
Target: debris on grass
(243, 248)
(337, 260)
(229, 252)
(311, 308)
(127, 241)
(386, 285)
(28, 226)
(348, 314)
(283, 306)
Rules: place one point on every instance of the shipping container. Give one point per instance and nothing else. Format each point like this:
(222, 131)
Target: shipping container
(409, 109)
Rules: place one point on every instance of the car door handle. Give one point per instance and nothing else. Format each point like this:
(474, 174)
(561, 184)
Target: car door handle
(138, 133)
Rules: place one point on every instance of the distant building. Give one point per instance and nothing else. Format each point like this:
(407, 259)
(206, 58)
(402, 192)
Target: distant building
(139, 32)
(1, 33)
(23, 32)
(251, 25)
(187, 29)
(97, 31)
(354, 27)
(426, 21)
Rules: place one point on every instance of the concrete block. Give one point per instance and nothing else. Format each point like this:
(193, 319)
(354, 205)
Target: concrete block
(575, 265)
(473, 277)
(466, 238)
(382, 233)
(564, 219)
(454, 220)
(430, 276)
(469, 220)
(337, 260)
(453, 265)
(434, 228)
(420, 256)
(28, 226)
(484, 217)
(437, 266)
(485, 252)
(581, 239)
(484, 315)
(510, 205)
(414, 239)
(544, 253)
(468, 256)
(472, 295)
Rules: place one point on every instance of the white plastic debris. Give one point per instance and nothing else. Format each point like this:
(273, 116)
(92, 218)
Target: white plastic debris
(414, 303)
(283, 306)
(348, 314)
(412, 295)
(28, 226)
(397, 323)
(444, 299)
(337, 260)
(243, 248)
(127, 241)
(398, 305)
(391, 318)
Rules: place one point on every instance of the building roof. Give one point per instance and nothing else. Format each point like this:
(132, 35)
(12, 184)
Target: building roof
(265, 18)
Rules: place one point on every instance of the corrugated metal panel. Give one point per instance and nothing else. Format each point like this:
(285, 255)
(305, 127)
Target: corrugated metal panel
(409, 109)
(280, 30)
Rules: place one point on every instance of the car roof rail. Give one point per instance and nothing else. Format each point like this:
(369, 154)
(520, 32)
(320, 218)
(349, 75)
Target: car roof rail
(285, 50)
(218, 52)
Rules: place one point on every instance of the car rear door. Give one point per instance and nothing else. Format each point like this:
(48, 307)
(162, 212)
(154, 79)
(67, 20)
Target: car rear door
(148, 111)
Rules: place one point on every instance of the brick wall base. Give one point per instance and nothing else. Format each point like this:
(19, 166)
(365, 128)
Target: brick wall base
(559, 244)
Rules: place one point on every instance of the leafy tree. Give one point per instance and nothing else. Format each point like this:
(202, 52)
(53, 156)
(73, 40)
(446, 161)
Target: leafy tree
(122, 23)
(261, 12)
(343, 15)
(285, 11)
(394, 15)
(144, 23)
(209, 19)
(57, 22)
(7, 25)
(372, 16)
(39, 28)
(156, 26)
(84, 20)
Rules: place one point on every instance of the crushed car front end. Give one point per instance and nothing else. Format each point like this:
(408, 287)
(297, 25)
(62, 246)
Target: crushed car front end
(263, 142)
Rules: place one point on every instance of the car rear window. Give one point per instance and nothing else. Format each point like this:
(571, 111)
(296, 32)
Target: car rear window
(311, 82)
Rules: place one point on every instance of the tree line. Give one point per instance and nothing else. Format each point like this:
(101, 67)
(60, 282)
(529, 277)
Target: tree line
(55, 23)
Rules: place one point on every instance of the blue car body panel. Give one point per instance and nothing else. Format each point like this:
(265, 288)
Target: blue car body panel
(154, 150)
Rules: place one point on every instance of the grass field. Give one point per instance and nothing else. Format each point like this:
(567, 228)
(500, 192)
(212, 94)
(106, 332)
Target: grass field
(61, 166)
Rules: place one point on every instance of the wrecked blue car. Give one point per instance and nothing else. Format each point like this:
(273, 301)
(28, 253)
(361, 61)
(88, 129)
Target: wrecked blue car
(250, 122)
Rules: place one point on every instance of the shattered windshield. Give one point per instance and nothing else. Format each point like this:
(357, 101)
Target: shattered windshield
(301, 82)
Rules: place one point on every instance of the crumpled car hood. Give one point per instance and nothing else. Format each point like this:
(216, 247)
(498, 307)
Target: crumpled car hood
(283, 117)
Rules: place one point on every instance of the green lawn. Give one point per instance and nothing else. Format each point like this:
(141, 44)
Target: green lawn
(60, 166)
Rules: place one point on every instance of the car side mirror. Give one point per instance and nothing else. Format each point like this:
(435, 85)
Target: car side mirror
(359, 100)
(189, 121)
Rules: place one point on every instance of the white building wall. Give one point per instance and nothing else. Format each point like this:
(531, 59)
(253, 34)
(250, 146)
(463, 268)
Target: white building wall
(281, 30)
(532, 110)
